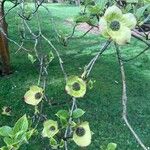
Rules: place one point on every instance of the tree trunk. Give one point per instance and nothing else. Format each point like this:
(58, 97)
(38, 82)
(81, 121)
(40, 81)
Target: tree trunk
(4, 52)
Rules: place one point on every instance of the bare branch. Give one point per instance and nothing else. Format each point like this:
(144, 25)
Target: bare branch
(126, 60)
(141, 39)
(89, 67)
(125, 99)
(68, 129)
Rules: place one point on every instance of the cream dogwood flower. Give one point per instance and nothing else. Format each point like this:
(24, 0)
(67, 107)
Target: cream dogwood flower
(116, 25)
(82, 135)
(34, 95)
(75, 86)
(50, 128)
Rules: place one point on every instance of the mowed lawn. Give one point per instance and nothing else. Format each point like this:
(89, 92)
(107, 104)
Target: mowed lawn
(102, 103)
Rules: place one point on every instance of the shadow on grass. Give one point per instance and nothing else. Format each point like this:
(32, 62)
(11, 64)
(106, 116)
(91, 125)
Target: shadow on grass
(102, 104)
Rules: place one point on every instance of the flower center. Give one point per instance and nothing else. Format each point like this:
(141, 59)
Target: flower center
(8, 109)
(76, 86)
(115, 25)
(80, 131)
(38, 95)
(52, 128)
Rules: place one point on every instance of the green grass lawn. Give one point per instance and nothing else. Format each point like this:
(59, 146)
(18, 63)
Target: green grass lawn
(102, 104)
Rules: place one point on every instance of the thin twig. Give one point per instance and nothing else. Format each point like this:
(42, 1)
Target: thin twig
(126, 60)
(92, 62)
(68, 129)
(125, 99)
(58, 55)
(141, 39)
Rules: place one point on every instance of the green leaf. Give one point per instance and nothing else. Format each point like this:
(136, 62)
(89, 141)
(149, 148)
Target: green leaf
(86, 18)
(94, 10)
(141, 10)
(128, 8)
(63, 114)
(21, 139)
(4, 148)
(91, 84)
(19, 135)
(63, 122)
(31, 58)
(8, 141)
(89, 2)
(82, 18)
(16, 141)
(73, 124)
(21, 125)
(5, 131)
(50, 56)
(53, 143)
(111, 146)
(29, 134)
(77, 113)
(102, 3)
(62, 143)
(147, 1)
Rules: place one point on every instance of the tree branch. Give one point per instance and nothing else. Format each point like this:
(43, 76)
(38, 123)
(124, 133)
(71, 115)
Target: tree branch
(141, 39)
(125, 99)
(126, 60)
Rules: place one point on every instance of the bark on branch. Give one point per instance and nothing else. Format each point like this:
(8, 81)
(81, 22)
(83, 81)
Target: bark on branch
(125, 99)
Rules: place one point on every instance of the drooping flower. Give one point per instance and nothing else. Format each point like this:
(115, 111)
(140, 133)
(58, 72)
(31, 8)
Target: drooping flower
(6, 110)
(82, 135)
(75, 86)
(34, 95)
(116, 25)
(50, 128)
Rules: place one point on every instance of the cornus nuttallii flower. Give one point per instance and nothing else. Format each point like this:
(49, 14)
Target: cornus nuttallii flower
(34, 95)
(82, 135)
(116, 25)
(75, 86)
(50, 128)
(6, 111)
